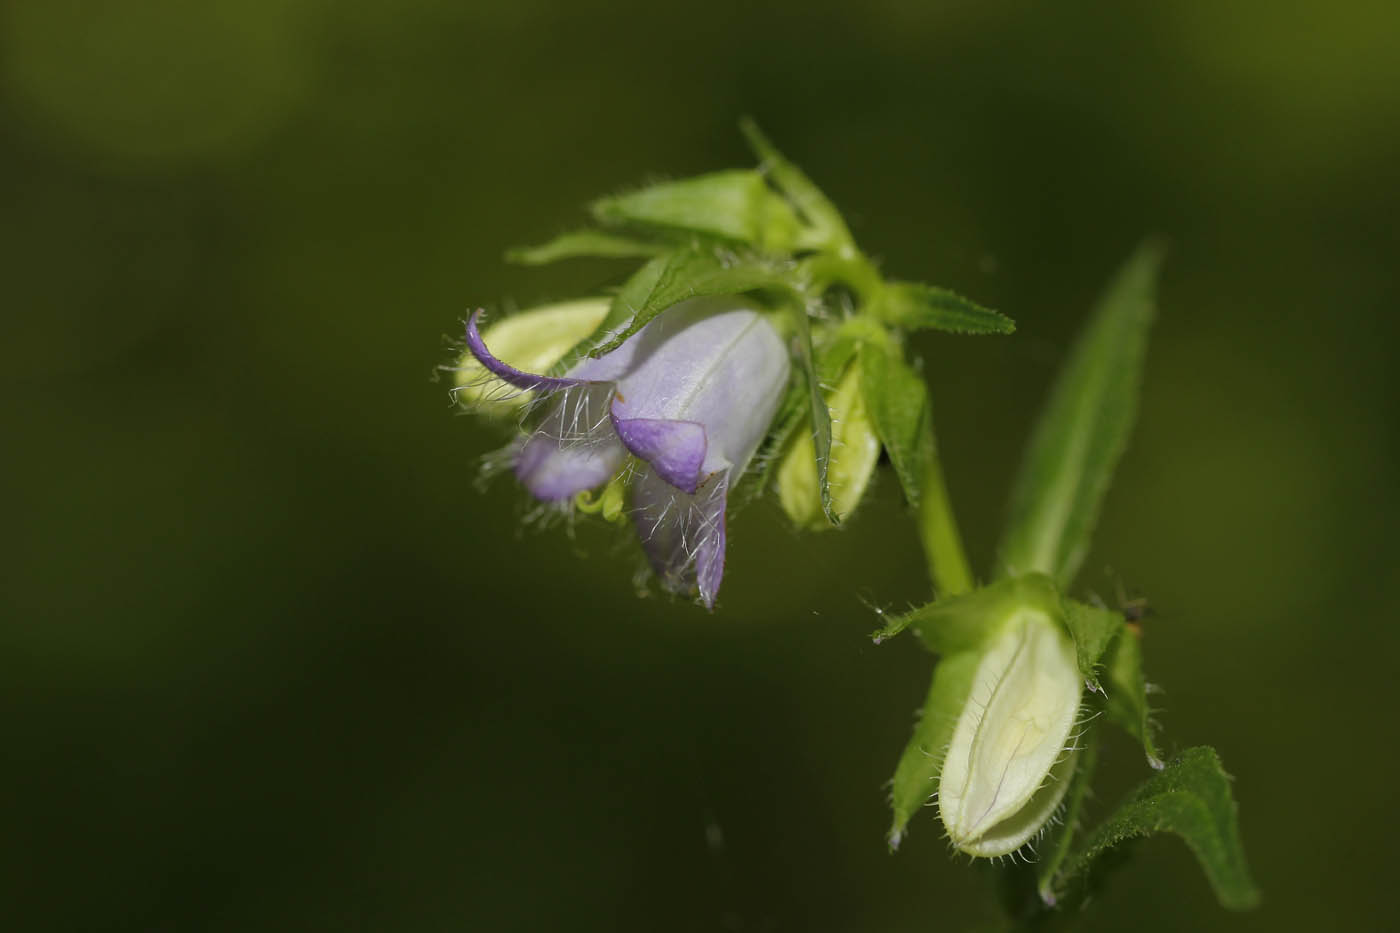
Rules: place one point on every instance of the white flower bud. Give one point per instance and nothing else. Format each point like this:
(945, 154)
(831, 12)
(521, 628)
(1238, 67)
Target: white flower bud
(1007, 764)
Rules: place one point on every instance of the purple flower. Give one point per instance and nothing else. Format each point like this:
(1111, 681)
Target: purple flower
(690, 395)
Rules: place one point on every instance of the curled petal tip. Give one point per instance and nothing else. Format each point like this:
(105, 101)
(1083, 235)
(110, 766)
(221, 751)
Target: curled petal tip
(503, 370)
(675, 449)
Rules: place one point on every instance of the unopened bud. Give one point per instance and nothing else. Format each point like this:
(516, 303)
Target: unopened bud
(1008, 762)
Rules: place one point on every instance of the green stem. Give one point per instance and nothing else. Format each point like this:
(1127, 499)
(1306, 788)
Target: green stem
(947, 560)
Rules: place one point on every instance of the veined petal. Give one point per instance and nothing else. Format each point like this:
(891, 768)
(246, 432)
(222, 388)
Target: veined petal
(999, 780)
(675, 449)
(574, 448)
(683, 533)
(554, 472)
(711, 362)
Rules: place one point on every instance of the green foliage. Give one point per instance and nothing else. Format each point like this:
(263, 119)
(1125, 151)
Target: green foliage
(737, 206)
(1083, 430)
(960, 623)
(1190, 798)
(830, 358)
(694, 271)
(818, 412)
(914, 306)
(827, 222)
(896, 399)
(585, 243)
(1093, 629)
(1125, 702)
(1059, 839)
(916, 775)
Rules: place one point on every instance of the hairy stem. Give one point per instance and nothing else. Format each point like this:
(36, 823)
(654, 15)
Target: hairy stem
(947, 560)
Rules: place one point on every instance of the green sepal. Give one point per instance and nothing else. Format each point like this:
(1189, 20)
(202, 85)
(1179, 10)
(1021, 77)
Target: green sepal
(962, 623)
(916, 775)
(817, 410)
(1059, 839)
(694, 271)
(829, 226)
(584, 244)
(1190, 798)
(737, 206)
(1125, 693)
(832, 352)
(1093, 629)
(914, 306)
(792, 411)
(1083, 429)
(896, 399)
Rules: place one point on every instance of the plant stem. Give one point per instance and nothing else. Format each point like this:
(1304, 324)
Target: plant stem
(947, 560)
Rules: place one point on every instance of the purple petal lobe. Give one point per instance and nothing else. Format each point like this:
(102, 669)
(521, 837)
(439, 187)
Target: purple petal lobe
(504, 371)
(683, 534)
(554, 470)
(675, 449)
(710, 362)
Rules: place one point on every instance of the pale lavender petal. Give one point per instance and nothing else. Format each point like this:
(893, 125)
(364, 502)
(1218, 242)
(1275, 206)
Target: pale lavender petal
(554, 472)
(683, 534)
(573, 448)
(715, 363)
(675, 449)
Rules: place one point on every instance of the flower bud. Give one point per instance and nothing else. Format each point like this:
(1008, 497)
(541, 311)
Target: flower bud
(532, 341)
(855, 449)
(1007, 765)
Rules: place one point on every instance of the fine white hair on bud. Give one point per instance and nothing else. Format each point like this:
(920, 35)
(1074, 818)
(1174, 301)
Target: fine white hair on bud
(1007, 767)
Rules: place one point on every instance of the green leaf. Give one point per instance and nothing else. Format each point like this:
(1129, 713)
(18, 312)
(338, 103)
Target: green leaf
(914, 306)
(584, 243)
(1083, 430)
(829, 225)
(1093, 630)
(960, 623)
(1055, 848)
(916, 775)
(690, 272)
(897, 402)
(734, 205)
(1192, 799)
(1125, 699)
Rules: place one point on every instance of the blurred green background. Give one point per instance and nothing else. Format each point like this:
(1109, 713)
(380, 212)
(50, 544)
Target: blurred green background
(272, 662)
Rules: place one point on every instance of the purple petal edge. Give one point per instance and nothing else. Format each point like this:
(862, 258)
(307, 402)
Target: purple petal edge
(683, 535)
(675, 449)
(504, 371)
(555, 473)
(709, 553)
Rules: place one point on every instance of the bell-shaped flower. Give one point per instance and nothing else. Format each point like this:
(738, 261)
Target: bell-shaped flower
(1008, 763)
(690, 395)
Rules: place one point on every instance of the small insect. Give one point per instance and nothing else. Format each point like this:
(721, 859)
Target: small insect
(1133, 610)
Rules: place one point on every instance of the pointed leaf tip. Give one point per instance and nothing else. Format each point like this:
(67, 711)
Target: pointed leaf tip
(1191, 798)
(1083, 429)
